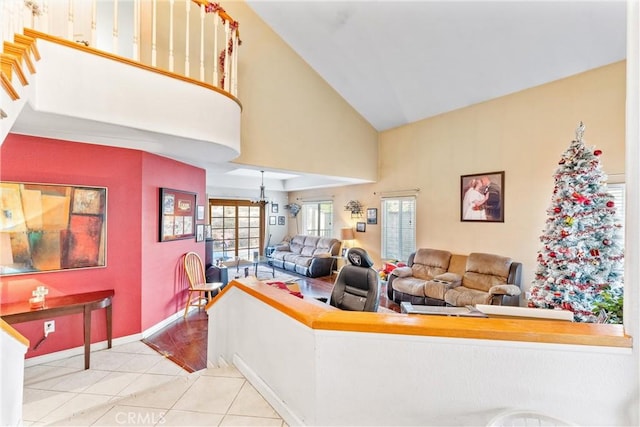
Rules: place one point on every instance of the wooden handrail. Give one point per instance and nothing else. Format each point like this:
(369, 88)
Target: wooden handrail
(320, 316)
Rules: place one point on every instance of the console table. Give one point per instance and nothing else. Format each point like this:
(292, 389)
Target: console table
(85, 303)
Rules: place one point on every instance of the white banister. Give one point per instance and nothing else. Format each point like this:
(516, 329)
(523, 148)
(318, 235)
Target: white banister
(115, 27)
(94, 20)
(225, 54)
(154, 34)
(234, 63)
(186, 38)
(171, 2)
(136, 30)
(216, 77)
(202, 16)
(70, 20)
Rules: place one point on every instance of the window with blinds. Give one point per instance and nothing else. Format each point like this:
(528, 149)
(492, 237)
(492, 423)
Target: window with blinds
(618, 192)
(398, 227)
(317, 218)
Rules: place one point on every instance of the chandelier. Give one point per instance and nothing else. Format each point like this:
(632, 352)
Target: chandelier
(262, 200)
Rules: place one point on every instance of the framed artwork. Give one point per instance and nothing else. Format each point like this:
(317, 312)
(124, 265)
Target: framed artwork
(361, 227)
(274, 208)
(207, 231)
(51, 227)
(199, 232)
(272, 220)
(200, 216)
(482, 197)
(177, 215)
(280, 220)
(372, 216)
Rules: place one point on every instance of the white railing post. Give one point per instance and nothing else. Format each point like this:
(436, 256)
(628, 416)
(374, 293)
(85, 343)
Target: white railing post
(216, 21)
(94, 19)
(136, 30)
(115, 27)
(42, 21)
(154, 33)
(70, 20)
(225, 71)
(171, 2)
(186, 37)
(202, 15)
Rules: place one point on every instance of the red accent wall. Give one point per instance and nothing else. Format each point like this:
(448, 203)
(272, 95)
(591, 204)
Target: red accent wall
(139, 268)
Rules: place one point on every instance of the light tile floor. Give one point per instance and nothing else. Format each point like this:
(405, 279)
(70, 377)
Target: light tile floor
(132, 384)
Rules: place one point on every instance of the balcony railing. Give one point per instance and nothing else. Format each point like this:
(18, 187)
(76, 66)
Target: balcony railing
(194, 38)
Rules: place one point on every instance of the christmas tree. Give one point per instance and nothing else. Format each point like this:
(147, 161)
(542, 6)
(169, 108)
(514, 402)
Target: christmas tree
(580, 263)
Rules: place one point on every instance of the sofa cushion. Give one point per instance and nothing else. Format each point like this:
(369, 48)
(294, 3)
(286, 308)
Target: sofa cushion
(409, 285)
(462, 296)
(485, 271)
(325, 244)
(428, 263)
(307, 250)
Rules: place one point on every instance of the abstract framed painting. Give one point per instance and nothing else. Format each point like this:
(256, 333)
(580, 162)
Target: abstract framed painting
(51, 227)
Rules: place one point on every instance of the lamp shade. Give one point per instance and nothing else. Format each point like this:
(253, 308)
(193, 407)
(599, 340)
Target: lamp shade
(346, 233)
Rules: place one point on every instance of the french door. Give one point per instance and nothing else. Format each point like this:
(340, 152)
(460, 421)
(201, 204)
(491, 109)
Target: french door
(237, 228)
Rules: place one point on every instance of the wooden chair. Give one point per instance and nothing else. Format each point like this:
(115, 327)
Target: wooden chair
(198, 286)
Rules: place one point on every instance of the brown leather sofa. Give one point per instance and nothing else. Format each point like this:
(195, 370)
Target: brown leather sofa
(437, 277)
(309, 256)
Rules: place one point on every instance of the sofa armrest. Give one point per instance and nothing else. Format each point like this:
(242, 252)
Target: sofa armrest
(512, 290)
(283, 247)
(322, 255)
(402, 272)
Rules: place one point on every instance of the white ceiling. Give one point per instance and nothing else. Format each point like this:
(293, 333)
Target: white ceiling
(397, 62)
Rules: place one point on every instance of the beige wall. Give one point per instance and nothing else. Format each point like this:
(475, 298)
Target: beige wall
(522, 134)
(292, 119)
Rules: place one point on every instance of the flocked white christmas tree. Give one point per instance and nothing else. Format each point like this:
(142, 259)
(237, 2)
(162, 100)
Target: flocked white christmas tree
(580, 264)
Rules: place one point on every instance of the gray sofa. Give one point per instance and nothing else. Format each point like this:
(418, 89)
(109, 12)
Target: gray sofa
(309, 256)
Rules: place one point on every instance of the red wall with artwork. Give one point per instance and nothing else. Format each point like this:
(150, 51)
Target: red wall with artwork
(138, 265)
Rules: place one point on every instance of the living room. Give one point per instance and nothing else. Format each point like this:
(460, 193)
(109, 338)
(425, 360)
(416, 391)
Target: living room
(522, 134)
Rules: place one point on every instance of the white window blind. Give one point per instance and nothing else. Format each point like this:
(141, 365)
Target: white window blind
(398, 227)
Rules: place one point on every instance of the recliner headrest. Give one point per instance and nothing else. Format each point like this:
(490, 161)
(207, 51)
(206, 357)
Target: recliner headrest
(359, 257)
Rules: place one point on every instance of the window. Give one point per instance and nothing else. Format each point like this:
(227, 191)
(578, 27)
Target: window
(398, 228)
(317, 218)
(617, 191)
(236, 228)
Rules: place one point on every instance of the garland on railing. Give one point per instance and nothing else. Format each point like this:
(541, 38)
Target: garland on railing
(211, 7)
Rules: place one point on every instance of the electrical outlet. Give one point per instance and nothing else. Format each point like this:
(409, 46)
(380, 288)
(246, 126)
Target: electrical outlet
(49, 326)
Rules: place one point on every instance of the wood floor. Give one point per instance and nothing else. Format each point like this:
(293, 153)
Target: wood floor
(185, 340)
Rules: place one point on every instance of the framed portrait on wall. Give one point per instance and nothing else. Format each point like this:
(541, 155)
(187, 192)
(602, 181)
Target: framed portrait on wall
(361, 227)
(281, 220)
(372, 216)
(177, 215)
(272, 220)
(482, 197)
(199, 232)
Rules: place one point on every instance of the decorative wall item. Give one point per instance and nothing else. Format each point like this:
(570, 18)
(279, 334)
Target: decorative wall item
(355, 207)
(372, 216)
(207, 231)
(274, 208)
(482, 197)
(200, 216)
(281, 220)
(50, 227)
(177, 214)
(272, 220)
(199, 232)
(361, 227)
(293, 209)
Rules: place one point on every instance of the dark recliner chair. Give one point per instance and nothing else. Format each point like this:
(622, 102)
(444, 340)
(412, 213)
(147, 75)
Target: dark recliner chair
(357, 287)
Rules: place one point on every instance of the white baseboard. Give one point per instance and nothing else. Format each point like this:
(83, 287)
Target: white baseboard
(267, 392)
(102, 345)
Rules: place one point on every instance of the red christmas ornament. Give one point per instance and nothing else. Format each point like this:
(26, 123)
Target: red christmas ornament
(606, 242)
(552, 254)
(597, 152)
(610, 204)
(564, 233)
(594, 252)
(579, 198)
(557, 210)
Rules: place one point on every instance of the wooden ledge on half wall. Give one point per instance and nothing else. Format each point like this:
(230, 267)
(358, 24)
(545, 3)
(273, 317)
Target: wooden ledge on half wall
(321, 316)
